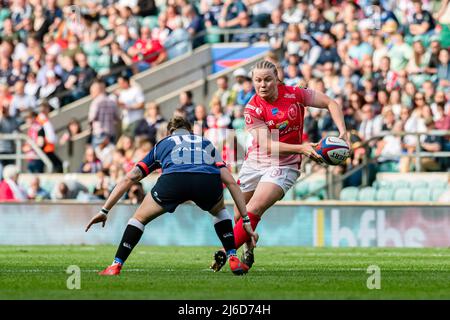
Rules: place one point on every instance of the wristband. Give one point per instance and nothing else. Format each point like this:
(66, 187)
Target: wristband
(104, 211)
(246, 219)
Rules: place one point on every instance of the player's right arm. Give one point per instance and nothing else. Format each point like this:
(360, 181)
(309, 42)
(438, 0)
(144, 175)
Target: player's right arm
(141, 170)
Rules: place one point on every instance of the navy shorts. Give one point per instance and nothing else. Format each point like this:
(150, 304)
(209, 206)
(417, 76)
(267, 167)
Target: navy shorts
(172, 189)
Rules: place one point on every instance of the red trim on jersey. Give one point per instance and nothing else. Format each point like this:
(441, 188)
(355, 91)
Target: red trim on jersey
(220, 164)
(144, 166)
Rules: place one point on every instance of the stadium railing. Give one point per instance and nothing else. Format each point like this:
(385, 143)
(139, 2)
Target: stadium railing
(333, 183)
(19, 156)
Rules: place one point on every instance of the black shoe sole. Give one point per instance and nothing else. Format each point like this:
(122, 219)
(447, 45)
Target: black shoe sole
(220, 259)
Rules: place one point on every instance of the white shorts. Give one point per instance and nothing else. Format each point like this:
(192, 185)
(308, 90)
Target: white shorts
(284, 176)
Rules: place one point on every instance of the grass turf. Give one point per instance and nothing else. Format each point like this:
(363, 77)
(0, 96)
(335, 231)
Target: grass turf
(39, 272)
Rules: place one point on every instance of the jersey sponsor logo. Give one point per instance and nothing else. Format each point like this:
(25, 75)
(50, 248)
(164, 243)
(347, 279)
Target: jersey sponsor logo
(275, 111)
(292, 112)
(270, 123)
(248, 118)
(282, 125)
(289, 96)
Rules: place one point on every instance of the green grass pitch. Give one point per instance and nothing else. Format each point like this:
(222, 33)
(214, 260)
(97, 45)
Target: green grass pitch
(39, 272)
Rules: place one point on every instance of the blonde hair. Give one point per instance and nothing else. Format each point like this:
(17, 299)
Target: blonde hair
(266, 64)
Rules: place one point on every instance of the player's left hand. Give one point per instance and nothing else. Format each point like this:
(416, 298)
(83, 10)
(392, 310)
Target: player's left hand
(346, 136)
(253, 235)
(99, 217)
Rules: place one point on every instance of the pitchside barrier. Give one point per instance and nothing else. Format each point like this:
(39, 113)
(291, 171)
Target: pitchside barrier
(318, 224)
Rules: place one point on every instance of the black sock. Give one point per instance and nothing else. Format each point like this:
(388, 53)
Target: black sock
(130, 238)
(224, 230)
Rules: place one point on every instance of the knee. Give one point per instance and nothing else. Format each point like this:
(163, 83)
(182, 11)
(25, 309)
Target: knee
(256, 207)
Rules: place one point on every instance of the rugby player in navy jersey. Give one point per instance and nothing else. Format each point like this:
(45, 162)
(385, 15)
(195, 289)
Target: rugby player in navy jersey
(192, 169)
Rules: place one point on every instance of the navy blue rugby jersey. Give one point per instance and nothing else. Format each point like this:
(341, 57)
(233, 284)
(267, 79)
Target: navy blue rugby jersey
(182, 152)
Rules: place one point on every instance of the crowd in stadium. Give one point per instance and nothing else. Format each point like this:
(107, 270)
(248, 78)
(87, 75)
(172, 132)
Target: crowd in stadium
(386, 62)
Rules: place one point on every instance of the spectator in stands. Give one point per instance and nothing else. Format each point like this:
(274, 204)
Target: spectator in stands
(246, 92)
(422, 21)
(317, 24)
(239, 76)
(52, 91)
(194, 24)
(141, 151)
(371, 124)
(173, 17)
(120, 62)
(431, 143)
(91, 163)
(136, 193)
(417, 66)
(36, 192)
(211, 12)
(238, 122)
(18, 72)
(400, 52)
(443, 69)
(31, 85)
(162, 31)
(178, 41)
(130, 99)
(103, 186)
(126, 143)
(227, 97)
(104, 150)
(245, 22)
(9, 187)
(147, 52)
(5, 96)
(291, 13)
(50, 65)
(148, 127)
(328, 53)
(218, 123)
(358, 50)
(85, 75)
(20, 101)
(104, 114)
(277, 28)
(8, 125)
(69, 79)
(229, 16)
(200, 125)
(187, 105)
(63, 192)
(46, 138)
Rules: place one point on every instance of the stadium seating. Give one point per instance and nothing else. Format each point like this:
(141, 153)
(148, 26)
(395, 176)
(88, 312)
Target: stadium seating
(402, 194)
(349, 194)
(367, 194)
(421, 194)
(384, 195)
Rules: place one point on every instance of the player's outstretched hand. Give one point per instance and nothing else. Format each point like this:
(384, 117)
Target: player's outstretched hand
(99, 217)
(308, 149)
(253, 235)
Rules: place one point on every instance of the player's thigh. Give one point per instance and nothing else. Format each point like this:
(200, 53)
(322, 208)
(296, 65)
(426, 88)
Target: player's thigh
(265, 196)
(148, 210)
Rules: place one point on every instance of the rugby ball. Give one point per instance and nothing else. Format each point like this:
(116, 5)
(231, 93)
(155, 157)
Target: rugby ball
(333, 150)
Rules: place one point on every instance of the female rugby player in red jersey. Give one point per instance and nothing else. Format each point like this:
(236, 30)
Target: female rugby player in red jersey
(274, 116)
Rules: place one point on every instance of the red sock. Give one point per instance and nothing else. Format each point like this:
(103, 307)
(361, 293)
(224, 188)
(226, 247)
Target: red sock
(240, 235)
